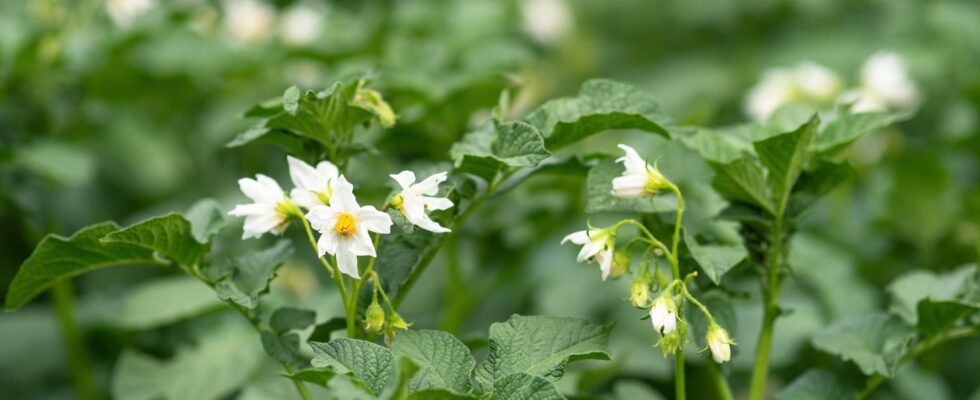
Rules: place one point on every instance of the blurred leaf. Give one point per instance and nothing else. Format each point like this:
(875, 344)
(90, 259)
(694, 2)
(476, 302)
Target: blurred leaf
(784, 157)
(874, 342)
(169, 235)
(445, 362)
(601, 105)
(742, 180)
(439, 394)
(286, 319)
(814, 184)
(164, 301)
(282, 347)
(316, 376)
(493, 146)
(716, 145)
(715, 259)
(600, 198)
(540, 345)
(57, 258)
(372, 364)
(519, 386)
(244, 278)
(936, 317)
(815, 384)
(909, 290)
(206, 218)
(61, 163)
(849, 127)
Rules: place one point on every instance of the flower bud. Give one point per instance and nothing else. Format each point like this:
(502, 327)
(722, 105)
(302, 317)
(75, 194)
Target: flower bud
(670, 343)
(660, 278)
(719, 343)
(640, 290)
(372, 101)
(663, 314)
(396, 321)
(620, 263)
(374, 317)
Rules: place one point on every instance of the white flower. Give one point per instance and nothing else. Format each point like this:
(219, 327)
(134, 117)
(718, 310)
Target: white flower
(546, 20)
(597, 245)
(639, 179)
(807, 82)
(719, 343)
(663, 315)
(314, 186)
(248, 21)
(885, 83)
(270, 211)
(417, 198)
(816, 82)
(344, 227)
(123, 12)
(301, 24)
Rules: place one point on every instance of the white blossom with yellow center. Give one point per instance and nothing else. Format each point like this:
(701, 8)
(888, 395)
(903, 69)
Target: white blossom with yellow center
(314, 186)
(597, 245)
(417, 198)
(345, 227)
(270, 211)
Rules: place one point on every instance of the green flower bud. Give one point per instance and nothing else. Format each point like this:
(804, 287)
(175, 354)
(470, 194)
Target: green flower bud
(372, 101)
(396, 321)
(671, 342)
(660, 277)
(374, 317)
(640, 290)
(620, 263)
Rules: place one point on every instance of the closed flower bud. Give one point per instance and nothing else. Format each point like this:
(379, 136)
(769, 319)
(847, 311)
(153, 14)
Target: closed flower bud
(670, 343)
(719, 343)
(663, 314)
(640, 290)
(372, 101)
(620, 263)
(396, 321)
(374, 317)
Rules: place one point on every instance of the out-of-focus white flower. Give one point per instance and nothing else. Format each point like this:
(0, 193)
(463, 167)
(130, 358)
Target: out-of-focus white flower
(639, 179)
(663, 314)
(123, 12)
(417, 198)
(885, 83)
(597, 245)
(807, 82)
(270, 211)
(314, 186)
(301, 24)
(248, 21)
(719, 343)
(345, 227)
(546, 20)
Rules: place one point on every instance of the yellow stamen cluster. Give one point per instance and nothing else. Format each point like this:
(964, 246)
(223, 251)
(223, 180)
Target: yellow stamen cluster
(345, 225)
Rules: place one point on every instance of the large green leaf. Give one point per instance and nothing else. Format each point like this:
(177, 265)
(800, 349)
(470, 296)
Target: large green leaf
(874, 342)
(284, 347)
(164, 301)
(169, 235)
(446, 363)
(600, 106)
(493, 146)
(540, 345)
(909, 290)
(742, 180)
(405, 373)
(815, 384)
(715, 259)
(223, 358)
(290, 318)
(370, 363)
(521, 386)
(206, 218)
(57, 258)
(243, 278)
(850, 127)
(716, 145)
(600, 198)
(785, 155)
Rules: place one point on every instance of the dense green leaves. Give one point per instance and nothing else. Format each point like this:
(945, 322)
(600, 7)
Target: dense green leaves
(243, 278)
(494, 146)
(874, 342)
(445, 362)
(540, 345)
(169, 235)
(815, 384)
(58, 257)
(601, 105)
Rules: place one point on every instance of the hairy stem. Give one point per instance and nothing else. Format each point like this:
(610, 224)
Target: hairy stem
(770, 304)
(78, 359)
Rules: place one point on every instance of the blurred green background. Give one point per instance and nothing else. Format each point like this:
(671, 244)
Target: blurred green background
(120, 109)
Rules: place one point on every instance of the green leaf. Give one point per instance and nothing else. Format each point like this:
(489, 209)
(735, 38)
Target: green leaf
(849, 127)
(742, 180)
(715, 259)
(814, 184)
(439, 394)
(600, 106)
(600, 198)
(785, 155)
(493, 146)
(206, 218)
(716, 145)
(815, 384)
(292, 143)
(316, 376)
(282, 347)
(540, 345)
(372, 364)
(936, 317)
(287, 319)
(911, 289)
(169, 235)
(446, 363)
(243, 278)
(319, 115)
(223, 358)
(164, 301)
(521, 386)
(57, 258)
(406, 371)
(874, 342)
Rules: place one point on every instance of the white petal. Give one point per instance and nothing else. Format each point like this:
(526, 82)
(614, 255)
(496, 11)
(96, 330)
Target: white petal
(405, 179)
(304, 176)
(590, 249)
(580, 237)
(373, 220)
(360, 244)
(256, 225)
(322, 218)
(327, 244)
(436, 203)
(342, 198)
(632, 160)
(420, 219)
(430, 186)
(631, 186)
(347, 262)
(243, 210)
(263, 190)
(604, 259)
(327, 170)
(305, 198)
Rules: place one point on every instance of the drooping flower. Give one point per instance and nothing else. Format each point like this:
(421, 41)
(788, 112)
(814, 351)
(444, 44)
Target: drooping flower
(719, 343)
(314, 186)
(345, 226)
(597, 245)
(639, 179)
(663, 314)
(885, 83)
(270, 211)
(417, 198)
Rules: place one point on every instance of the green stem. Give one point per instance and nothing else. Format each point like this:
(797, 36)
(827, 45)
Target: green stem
(721, 384)
(337, 276)
(757, 389)
(677, 227)
(922, 347)
(675, 270)
(78, 359)
(680, 391)
(355, 296)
